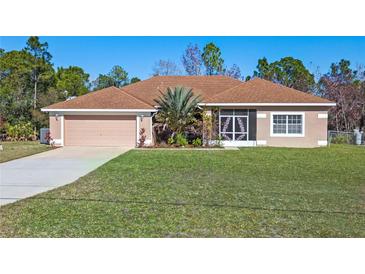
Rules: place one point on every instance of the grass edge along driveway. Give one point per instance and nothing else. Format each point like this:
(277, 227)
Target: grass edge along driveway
(16, 150)
(252, 192)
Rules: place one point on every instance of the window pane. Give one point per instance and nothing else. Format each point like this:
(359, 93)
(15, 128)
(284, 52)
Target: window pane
(279, 124)
(226, 124)
(240, 111)
(279, 129)
(226, 111)
(227, 136)
(280, 119)
(294, 119)
(295, 129)
(240, 137)
(240, 124)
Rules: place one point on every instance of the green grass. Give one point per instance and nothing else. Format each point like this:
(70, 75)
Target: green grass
(15, 150)
(252, 192)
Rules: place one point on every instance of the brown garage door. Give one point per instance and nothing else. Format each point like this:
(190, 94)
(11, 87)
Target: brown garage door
(100, 130)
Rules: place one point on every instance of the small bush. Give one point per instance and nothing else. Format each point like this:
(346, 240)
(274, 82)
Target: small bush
(181, 140)
(21, 132)
(49, 138)
(339, 139)
(171, 140)
(219, 141)
(197, 142)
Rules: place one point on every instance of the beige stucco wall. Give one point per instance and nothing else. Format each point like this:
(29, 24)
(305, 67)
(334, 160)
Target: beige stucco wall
(55, 126)
(146, 123)
(315, 129)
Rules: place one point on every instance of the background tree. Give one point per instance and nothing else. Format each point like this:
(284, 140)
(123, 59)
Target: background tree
(212, 59)
(103, 81)
(234, 72)
(192, 60)
(264, 70)
(166, 68)
(16, 87)
(134, 80)
(287, 71)
(42, 70)
(73, 80)
(117, 77)
(344, 86)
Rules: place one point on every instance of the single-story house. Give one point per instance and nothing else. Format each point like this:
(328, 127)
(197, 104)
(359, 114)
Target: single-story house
(252, 113)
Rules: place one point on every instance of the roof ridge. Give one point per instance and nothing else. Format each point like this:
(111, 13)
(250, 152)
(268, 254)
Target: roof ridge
(223, 91)
(130, 95)
(89, 93)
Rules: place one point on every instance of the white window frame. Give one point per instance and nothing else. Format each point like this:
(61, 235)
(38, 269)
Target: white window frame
(272, 134)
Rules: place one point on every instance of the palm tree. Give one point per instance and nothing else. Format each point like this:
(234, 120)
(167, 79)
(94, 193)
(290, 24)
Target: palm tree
(177, 109)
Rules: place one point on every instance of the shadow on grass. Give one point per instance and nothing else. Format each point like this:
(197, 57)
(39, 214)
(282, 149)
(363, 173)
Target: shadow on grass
(196, 204)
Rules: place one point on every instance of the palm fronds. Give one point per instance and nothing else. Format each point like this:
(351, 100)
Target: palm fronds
(177, 108)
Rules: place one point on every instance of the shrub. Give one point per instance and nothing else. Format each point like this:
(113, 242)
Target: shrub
(170, 140)
(219, 141)
(181, 140)
(49, 139)
(21, 132)
(340, 139)
(197, 142)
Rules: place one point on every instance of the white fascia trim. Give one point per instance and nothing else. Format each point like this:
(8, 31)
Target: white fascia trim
(272, 134)
(97, 110)
(268, 104)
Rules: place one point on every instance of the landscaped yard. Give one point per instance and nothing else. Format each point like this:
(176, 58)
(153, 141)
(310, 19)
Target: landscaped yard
(252, 192)
(15, 150)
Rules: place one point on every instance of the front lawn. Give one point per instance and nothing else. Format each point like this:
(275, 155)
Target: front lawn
(15, 150)
(252, 192)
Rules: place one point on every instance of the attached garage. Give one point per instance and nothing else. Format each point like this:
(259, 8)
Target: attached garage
(108, 117)
(100, 130)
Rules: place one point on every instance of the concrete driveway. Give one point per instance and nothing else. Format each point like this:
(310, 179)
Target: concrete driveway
(41, 172)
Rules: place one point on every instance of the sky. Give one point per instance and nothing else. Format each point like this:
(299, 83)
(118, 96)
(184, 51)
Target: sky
(137, 55)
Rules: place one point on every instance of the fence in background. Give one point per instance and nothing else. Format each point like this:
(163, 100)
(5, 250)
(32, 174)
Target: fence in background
(343, 137)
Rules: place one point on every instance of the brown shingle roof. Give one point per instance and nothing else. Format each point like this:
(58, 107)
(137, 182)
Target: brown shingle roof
(263, 91)
(206, 86)
(213, 89)
(107, 98)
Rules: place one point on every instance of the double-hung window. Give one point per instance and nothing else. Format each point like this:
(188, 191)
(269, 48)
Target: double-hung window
(287, 124)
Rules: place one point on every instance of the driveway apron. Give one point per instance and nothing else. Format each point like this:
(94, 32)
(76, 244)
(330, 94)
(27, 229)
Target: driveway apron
(41, 172)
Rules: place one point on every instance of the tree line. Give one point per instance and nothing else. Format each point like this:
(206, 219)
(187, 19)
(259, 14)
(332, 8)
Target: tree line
(29, 81)
(341, 83)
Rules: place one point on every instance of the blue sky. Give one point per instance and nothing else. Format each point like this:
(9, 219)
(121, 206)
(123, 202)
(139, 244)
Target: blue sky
(139, 54)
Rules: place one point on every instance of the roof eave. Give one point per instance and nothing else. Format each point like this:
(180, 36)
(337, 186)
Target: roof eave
(96, 110)
(329, 104)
